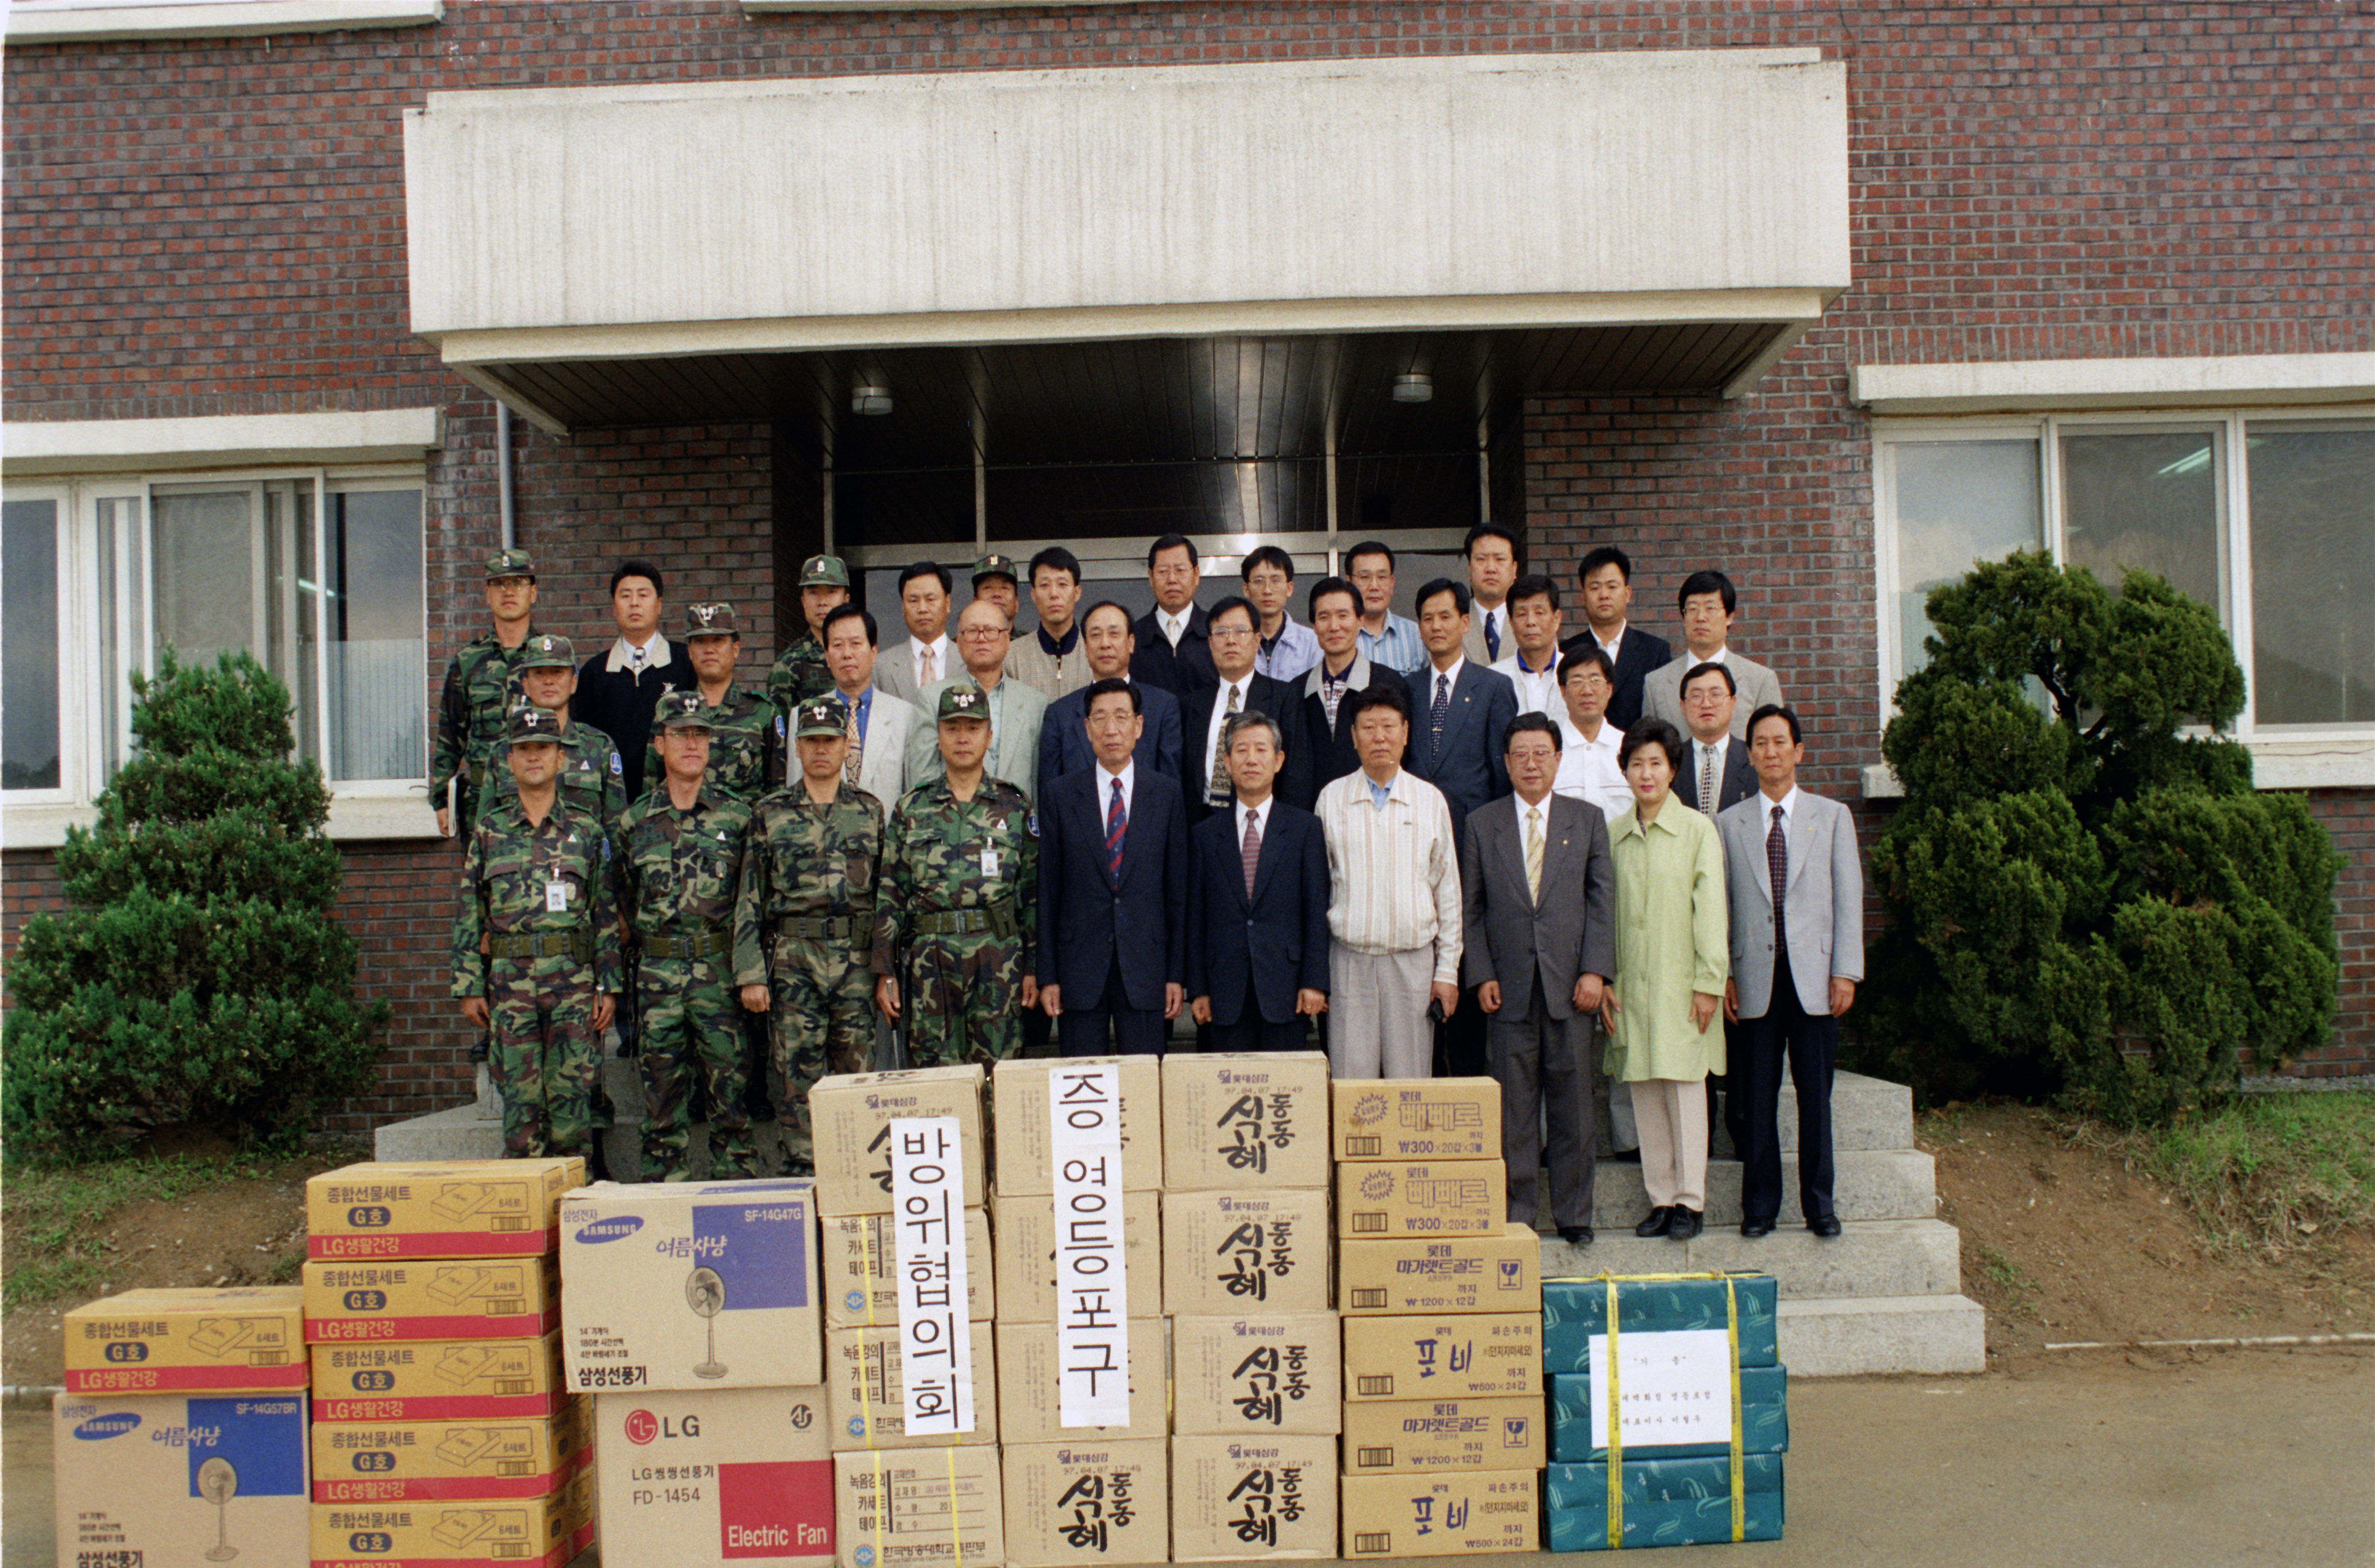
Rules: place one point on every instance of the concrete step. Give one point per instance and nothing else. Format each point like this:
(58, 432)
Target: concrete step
(1869, 1258)
(1867, 1183)
(1854, 1335)
(1866, 1113)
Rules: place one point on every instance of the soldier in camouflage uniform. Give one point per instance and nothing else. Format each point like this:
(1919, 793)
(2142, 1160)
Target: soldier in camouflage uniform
(746, 739)
(804, 925)
(592, 774)
(681, 854)
(481, 687)
(956, 928)
(536, 948)
(800, 673)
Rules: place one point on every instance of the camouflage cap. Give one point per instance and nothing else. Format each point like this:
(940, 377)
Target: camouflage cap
(997, 565)
(532, 724)
(714, 619)
(510, 564)
(824, 571)
(544, 650)
(683, 710)
(963, 700)
(819, 715)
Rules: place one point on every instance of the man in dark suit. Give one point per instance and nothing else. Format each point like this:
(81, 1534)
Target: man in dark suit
(1106, 640)
(1238, 689)
(1113, 890)
(1174, 651)
(1258, 911)
(1632, 650)
(1538, 889)
(1325, 730)
(1713, 754)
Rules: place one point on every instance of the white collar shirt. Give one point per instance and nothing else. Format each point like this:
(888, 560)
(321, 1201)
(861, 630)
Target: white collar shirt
(1610, 644)
(1589, 771)
(1538, 689)
(1241, 686)
(1258, 815)
(1434, 677)
(1787, 806)
(1128, 777)
(1524, 806)
(1173, 627)
(938, 648)
(623, 654)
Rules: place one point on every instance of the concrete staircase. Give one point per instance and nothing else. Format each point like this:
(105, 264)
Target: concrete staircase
(1885, 1296)
(474, 1131)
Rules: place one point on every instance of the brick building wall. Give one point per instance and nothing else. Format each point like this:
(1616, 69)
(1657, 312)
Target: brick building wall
(217, 227)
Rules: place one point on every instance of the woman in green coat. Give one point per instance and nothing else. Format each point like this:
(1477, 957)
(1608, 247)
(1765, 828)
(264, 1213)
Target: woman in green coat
(1672, 956)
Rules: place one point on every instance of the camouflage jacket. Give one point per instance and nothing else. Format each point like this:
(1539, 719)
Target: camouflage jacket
(679, 870)
(481, 686)
(593, 777)
(507, 874)
(807, 859)
(933, 859)
(798, 674)
(746, 750)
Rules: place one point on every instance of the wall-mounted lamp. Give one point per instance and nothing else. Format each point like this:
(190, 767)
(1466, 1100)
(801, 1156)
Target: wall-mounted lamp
(1414, 386)
(871, 400)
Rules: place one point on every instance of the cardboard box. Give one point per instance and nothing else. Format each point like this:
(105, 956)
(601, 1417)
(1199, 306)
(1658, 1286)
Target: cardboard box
(1029, 1403)
(1416, 1118)
(921, 1508)
(1443, 1435)
(1229, 1251)
(868, 1401)
(1082, 1502)
(438, 1208)
(1235, 1121)
(517, 1298)
(1239, 1498)
(1018, 1097)
(1257, 1373)
(1025, 1244)
(735, 1475)
(437, 1380)
(860, 1288)
(1450, 1356)
(169, 1480)
(245, 1339)
(1452, 1198)
(1447, 1516)
(1498, 1272)
(529, 1532)
(850, 1116)
(420, 1461)
(691, 1285)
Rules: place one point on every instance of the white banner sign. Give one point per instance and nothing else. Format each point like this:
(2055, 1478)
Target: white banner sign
(935, 1333)
(1091, 1287)
(1674, 1388)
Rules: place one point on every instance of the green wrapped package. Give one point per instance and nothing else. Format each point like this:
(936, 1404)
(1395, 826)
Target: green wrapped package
(1584, 1488)
(1705, 1521)
(1575, 1310)
(1764, 1420)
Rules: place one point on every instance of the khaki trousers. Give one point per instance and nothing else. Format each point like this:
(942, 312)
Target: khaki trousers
(1671, 1116)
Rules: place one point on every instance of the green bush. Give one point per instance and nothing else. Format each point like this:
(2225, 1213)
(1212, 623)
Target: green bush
(2084, 903)
(199, 976)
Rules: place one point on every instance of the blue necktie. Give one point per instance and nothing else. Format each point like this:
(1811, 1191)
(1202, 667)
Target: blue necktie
(1491, 637)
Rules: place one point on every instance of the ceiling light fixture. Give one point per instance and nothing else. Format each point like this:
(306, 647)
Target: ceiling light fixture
(1414, 386)
(871, 400)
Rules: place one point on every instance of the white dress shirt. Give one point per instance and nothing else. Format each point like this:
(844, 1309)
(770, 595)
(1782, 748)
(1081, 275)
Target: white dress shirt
(655, 652)
(1128, 777)
(1588, 769)
(1497, 621)
(1700, 750)
(1610, 646)
(1765, 804)
(1393, 872)
(1538, 689)
(1425, 705)
(1221, 716)
(939, 650)
(1259, 814)
(1524, 806)
(1173, 627)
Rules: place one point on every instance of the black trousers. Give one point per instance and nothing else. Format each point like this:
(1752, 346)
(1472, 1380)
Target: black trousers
(1113, 1029)
(1544, 1064)
(1460, 1048)
(1254, 1033)
(1811, 1045)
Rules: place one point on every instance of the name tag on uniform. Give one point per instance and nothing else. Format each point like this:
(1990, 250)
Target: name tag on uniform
(989, 860)
(556, 898)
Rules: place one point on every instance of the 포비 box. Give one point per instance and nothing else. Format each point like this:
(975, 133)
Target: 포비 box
(1235, 1121)
(850, 1116)
(1029, 1394)
(1449, 1197)
(732, 1474)
(919, 1508)
(1256, 1372)
(421, 1461)
(869, 1402)
(482, 1298)
(428, 1380)
(860, 1287)
(691, 1285)
(1500, 1271)
(1237, 1498)
(1025, 1244)
(1433, 1436)
(1088, 1503)
(173, 1480)
(1456, 1515)
(1416, 1118)
(1474, 1355)
(1018, 1090)
(1576, 1310)
(438, 1208)
(1265, 1250)
(240, 1339)
(520, 1532)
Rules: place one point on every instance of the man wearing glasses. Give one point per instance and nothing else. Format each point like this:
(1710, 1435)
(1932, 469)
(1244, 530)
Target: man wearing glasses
(1016, 709)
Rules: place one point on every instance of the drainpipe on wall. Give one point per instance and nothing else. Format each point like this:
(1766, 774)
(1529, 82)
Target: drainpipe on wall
(504, 470)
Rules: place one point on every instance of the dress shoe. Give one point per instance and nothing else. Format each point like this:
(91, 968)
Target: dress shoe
(1576, 1235)
(1626, 1157)
(1687, 1223)
(1827, 1226)
(1654, 1225)
(1753, 1228)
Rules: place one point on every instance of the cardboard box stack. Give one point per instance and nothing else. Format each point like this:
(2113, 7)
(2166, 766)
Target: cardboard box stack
(1443, 1442)
(444, 1430)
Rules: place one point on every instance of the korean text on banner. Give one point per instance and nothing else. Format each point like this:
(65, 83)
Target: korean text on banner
(1675, 1388)
(1092, 1283)
(934, 1335)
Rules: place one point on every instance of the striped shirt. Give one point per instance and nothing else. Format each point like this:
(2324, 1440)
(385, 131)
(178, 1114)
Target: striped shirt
(1393, 874)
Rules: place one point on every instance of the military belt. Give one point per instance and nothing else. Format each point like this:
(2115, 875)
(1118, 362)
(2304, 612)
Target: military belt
(712, 943)
(823, 927)
(577, 944)
(996, 919)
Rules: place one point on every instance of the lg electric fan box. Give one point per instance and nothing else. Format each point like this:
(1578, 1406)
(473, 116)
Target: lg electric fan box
(524, 1532)
(726, 1475)
(1265, 1249)
(244, 1339)
(1449, 1356)
(1498, 1272)
(860, 1260)
(1088, 1503)
(919, 1508)
(1025, 1231)
(850, 1116)
(438, 1208)
(428, 1380)
(1447, 1516)
(168, 1480)
(1437, 1118)
(1018, 1092)
(475, 1298)
(1240, 1498)
(417, 1461)
(691, 1285)
(1244, 1121)
(1448, 1198)
(1256, 1372)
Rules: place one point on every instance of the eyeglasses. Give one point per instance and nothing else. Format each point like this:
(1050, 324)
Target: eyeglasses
(1231, 633)
(984, 631)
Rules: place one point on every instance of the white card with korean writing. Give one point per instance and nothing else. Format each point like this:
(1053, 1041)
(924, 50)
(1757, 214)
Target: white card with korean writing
(1092, 1284)
(1675, 1388)
(935, 1330)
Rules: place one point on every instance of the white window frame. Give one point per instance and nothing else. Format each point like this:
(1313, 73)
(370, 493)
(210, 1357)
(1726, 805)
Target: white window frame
(70, 612)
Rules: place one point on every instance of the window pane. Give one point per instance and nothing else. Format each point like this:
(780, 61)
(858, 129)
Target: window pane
(2313, 575)
(378, 651)
(123, 623)
(2148, 501)
(28, 646)
(205, 573)
(1957, 502)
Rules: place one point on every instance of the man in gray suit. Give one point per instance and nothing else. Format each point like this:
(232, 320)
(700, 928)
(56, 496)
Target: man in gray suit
(984, 634)
(1795, 885)
(1539, 893)
(924, 658)
(1709, 605)
(880, 725)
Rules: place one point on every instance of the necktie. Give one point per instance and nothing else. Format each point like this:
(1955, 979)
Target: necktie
(635, 660)
(1435, 715)
(1331, 691)
(1217, 789)
(849, 770)
(1116, 827)
(1777, 860)
(1251, 852)
(1534, 853)
(1707, 778)
(1492, 636)
(931, 662)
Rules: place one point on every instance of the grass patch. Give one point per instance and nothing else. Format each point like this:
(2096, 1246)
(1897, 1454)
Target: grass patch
(2006, 1275)
(2269, 1169)
(54, 1218)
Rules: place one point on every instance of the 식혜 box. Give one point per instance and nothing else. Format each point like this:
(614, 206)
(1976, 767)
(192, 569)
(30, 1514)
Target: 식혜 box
(1088, 1503)
(1458, 1515)
(1416, 1118)
(423, 1298)
(1265, 1250)
(1030, 1404)
(1472, 1355)
(171, 1480)
(1239, 1498)
(859, 1258)
(919, 1508)
(850, 1116)
(867, 1398)
(1256, 1372)
(438, 1208)
(1498, 1272)
(428, 1380)
(1018, 1100)
(1025, 1246)
(732, 1474)
(1236, 1121)
(691, 1285)
(240, 1339)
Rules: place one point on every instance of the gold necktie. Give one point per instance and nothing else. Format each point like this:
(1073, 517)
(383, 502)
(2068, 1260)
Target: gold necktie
(931, 668)
(849, 770)
(1534, 853)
